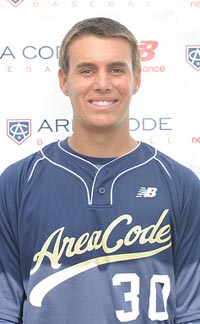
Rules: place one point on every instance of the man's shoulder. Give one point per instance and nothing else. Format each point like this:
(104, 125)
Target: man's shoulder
(176, 169)
(24, 166)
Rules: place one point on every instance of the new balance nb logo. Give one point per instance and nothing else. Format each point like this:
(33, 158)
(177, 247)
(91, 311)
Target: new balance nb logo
(148, 192)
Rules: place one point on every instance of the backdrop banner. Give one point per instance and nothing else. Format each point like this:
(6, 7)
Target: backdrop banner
(165, 111)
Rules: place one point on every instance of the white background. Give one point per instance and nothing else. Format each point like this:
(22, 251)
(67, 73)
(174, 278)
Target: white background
(165, 111)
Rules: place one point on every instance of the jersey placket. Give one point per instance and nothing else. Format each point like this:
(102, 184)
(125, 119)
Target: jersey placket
(101, 188)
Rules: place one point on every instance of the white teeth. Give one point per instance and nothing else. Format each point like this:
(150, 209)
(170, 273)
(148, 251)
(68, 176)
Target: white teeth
(102, 103)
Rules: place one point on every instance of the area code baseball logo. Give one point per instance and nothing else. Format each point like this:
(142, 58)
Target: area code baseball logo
(15, 2)
(193, 56)
(19, 130)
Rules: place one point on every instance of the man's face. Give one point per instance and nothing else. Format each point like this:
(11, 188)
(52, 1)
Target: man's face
(100, 82)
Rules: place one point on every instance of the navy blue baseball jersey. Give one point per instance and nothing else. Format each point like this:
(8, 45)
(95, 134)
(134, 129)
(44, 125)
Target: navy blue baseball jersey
(99, 241)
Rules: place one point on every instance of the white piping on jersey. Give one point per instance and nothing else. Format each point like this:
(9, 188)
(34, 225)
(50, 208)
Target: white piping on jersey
(70, 171)
(90, 195)
(34, 166)
(90, 198)
(120, 174)
(164, 167)
(80, 158)
(136, 166)
(76, 156)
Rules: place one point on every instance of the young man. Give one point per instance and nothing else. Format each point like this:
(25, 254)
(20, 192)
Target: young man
(99, 228)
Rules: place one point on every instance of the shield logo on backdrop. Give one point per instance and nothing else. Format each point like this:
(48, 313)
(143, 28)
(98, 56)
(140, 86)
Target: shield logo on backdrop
(15, 2)
(193, 56)
(19, 129)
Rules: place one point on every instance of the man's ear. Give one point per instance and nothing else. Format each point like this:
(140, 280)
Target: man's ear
(63, 82)
(137, 81)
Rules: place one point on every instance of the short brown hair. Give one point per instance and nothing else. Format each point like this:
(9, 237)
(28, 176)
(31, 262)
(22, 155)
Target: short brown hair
(101, 27)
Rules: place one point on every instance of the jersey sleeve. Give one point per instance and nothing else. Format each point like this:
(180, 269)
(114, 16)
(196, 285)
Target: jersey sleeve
(11, 284)
(187, 252)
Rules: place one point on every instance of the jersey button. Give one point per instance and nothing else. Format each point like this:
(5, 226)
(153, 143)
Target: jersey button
(102, 190)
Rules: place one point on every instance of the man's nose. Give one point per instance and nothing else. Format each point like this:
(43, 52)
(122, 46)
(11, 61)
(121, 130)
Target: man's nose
(102, 81)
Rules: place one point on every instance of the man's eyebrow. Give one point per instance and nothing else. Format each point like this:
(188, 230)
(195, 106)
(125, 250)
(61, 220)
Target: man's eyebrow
(84, 64)
(90, 64)
(118, 63)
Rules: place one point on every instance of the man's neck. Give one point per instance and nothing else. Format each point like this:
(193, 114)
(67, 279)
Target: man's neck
(102, 145)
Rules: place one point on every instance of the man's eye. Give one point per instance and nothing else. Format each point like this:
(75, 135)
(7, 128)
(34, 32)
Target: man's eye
(86, 72)
(117, 71)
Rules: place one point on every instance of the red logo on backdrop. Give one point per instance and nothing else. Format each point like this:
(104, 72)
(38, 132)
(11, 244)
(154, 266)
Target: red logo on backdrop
(15, 2)
(147, 50)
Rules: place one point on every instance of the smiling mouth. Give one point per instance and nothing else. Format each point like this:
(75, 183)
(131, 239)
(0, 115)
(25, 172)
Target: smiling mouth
(103, 103)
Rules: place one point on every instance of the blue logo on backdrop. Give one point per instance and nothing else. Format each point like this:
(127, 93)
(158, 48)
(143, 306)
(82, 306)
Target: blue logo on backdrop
(19, 130)
(193, 56)
(15, 2)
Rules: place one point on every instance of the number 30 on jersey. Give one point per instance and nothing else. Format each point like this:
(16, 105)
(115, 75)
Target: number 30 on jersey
(133, 296)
